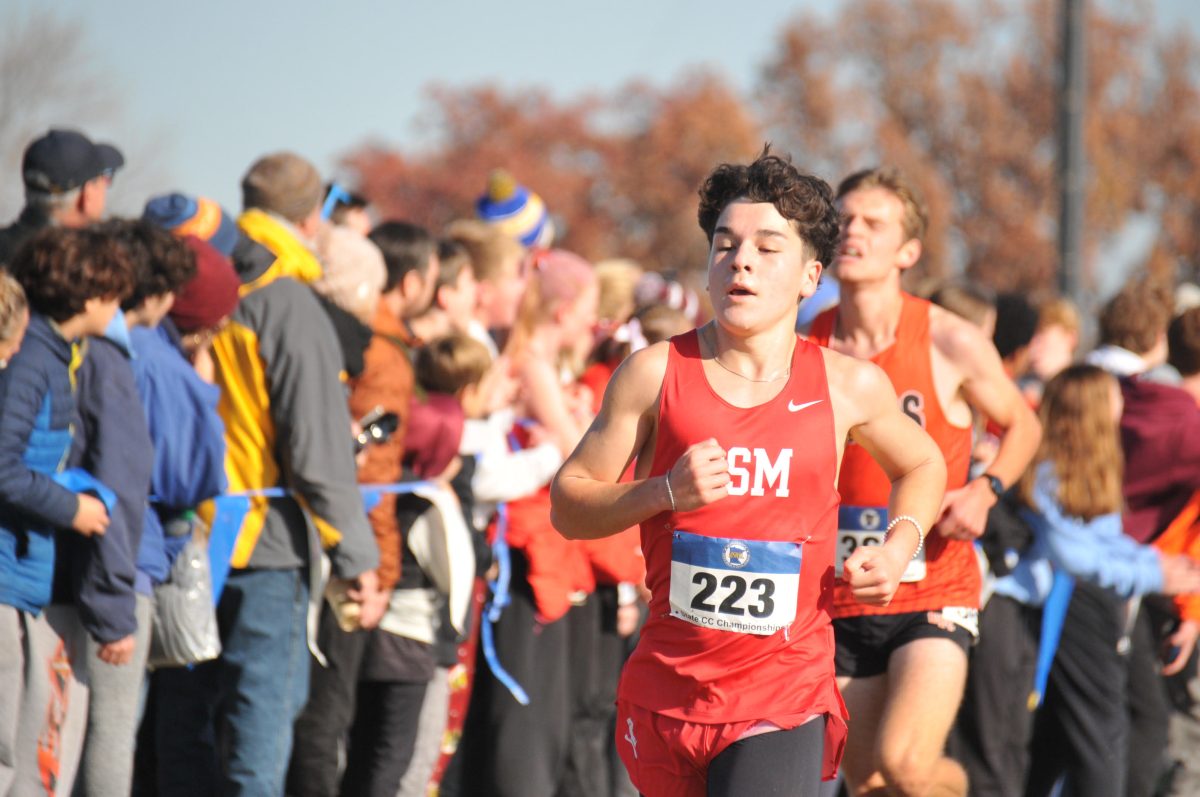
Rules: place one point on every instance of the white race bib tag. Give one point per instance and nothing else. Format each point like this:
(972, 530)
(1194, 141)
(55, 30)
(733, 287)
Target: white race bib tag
(743, 586)
(866, 525)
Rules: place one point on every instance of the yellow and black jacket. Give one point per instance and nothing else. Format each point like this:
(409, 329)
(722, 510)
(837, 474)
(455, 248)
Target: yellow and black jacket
(284, 407)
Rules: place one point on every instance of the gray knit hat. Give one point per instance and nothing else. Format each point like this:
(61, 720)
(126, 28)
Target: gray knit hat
(354, 271)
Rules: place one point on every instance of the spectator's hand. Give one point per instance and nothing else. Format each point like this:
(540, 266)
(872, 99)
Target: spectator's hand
(873, 573)
(373, 609)
(91, 516)
(699, 477)
(985, 450)
(1181, 575)
(117, 653)
(627, 619)
(580, 401)
(644, 592)
(202, 361)
(965, 511)
(365, 586)
(538, 435)
(360, 456)
(499, 386)
(451, 471)
(1179, 646)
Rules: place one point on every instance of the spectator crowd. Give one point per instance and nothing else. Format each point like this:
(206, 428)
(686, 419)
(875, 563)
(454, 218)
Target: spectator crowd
(275, 505)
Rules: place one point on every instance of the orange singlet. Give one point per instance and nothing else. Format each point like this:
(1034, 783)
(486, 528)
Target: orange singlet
(951, 572)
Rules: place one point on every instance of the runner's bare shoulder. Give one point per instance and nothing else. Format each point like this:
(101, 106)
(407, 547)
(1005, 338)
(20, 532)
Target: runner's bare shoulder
(636, 385)
(857, 388)
(956, 339)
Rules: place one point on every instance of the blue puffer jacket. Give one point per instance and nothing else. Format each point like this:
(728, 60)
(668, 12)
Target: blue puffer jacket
(112, 444)
(35, 439)
(189, 443)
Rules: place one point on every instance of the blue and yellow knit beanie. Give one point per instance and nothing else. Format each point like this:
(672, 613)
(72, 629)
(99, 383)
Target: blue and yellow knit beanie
(515, 210)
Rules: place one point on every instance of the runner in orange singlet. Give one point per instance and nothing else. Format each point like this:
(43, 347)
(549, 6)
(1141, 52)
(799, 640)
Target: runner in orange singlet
(738, 429)
(902, 667)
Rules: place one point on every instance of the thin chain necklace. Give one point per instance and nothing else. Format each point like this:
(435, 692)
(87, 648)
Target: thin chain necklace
(775, 378)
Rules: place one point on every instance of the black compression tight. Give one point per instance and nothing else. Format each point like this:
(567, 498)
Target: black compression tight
(775, 763)
(784, 763)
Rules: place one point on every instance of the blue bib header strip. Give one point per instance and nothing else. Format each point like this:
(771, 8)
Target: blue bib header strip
(863, 518)
(723, 553)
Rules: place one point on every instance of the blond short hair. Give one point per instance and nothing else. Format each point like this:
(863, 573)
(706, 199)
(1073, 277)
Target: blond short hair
(889, 178)
(618, 278)
(13, 306)
(451, 363)
(1059, 312)
(489, 249)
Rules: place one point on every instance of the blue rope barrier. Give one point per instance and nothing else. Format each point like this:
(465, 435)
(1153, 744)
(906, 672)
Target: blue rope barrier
(1054, 613)
(501, 597)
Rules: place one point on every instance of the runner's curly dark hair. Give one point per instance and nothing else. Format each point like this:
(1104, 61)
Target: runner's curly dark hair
(803, 199)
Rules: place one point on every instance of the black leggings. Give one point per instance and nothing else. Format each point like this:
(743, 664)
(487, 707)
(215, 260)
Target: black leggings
(774, 763)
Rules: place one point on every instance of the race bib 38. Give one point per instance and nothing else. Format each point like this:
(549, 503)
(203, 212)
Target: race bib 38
(865, 525)
(741, 586)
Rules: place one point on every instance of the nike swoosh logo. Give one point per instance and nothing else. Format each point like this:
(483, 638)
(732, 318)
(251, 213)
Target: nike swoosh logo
(793, 407)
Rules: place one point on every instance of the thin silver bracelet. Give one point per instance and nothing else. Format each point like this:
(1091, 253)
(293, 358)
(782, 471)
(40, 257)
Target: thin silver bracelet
(671, 495)
(920, 532)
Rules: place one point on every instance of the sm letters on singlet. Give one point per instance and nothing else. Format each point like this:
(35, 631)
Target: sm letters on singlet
(754, 471)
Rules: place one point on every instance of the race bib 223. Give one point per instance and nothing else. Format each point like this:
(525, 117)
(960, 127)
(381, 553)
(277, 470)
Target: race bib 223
(727, 584)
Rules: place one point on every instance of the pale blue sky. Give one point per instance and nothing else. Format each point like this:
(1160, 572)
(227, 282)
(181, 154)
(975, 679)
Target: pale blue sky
(206, 88)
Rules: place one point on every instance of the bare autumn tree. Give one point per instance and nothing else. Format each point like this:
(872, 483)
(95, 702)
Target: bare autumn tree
(619, 172)
(545, 145)
(962, 98)
(675, 137)
(48, 76)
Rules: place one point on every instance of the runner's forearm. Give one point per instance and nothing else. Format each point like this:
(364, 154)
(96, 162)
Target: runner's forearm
(585, 509)
(918, 495)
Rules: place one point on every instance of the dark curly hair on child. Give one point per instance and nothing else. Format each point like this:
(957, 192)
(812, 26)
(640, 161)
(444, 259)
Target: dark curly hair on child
(803, 199)
(162, 263)
(61, 268)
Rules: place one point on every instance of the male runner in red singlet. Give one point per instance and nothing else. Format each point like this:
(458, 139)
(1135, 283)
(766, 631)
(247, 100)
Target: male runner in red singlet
(902, 667)
(738, 428)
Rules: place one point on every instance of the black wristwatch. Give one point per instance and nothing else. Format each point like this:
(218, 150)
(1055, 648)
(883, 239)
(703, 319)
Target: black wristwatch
(996, 485)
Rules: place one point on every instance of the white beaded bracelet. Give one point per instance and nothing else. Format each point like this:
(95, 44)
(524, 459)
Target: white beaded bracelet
(920, 531)
(671, 495)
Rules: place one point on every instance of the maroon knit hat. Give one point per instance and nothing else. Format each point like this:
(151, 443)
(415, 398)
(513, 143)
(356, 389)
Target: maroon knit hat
(209, 296)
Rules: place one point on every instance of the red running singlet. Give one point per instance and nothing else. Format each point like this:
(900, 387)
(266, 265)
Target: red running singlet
(951, 575)
(739, 625)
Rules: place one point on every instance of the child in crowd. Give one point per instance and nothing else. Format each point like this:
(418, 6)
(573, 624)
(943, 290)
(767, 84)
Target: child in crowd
(180, 404)
(536, 634)
(501, 268)
(98, 582)
(1072, 498)
(14, 317)
(558, 310)
(1054, 344)
(74, 281)
(400, 664)
(385, 385)
(454, 297)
